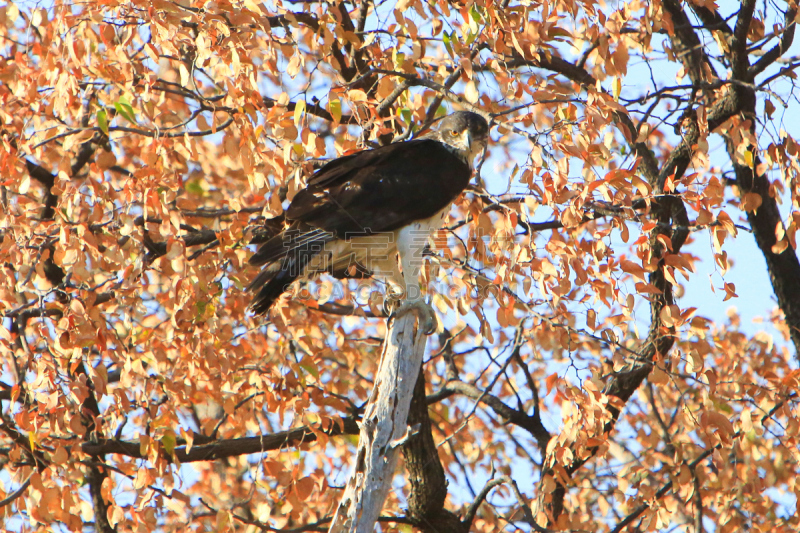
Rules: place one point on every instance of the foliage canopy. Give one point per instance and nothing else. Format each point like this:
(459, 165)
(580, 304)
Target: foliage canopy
(144, 142)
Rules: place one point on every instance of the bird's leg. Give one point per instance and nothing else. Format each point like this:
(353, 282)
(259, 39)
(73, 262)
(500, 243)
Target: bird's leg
(392, 301)
(425, 313)
(395, 283)
(410, 245)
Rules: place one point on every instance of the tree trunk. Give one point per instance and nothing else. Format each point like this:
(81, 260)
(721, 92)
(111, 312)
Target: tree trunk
(384, 429)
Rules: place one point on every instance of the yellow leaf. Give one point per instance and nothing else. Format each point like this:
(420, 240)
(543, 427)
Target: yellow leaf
(141, 479)
(294, 66)
(335, 108)
(748, 158)
(299, 109)
(184, 75)
(471, 92)
(168, 441)
(667, 316)
(12, 12)
(746, 420)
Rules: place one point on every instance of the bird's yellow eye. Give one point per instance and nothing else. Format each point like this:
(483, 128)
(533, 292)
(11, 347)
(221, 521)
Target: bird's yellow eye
(453, 133)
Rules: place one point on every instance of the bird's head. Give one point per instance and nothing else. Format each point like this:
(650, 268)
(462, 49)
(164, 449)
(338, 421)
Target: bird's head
(466, 132)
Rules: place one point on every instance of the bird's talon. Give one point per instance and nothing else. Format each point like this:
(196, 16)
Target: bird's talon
(430, 326)
(390, 305)
(424, 312)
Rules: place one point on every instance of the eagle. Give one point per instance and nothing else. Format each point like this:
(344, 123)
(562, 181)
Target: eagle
(371, 213)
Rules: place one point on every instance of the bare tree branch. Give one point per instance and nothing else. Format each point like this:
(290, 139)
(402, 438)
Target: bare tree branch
(472, 510)
(8, 500)
(383, 429)
(532, 424)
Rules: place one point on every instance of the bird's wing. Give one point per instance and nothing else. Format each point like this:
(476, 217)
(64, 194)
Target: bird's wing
(381, 190)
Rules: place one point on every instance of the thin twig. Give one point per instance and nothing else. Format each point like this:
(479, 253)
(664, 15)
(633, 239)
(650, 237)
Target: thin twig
(17, 493)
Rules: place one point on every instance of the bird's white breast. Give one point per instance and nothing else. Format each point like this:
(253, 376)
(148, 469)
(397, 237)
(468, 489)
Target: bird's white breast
(433, 223)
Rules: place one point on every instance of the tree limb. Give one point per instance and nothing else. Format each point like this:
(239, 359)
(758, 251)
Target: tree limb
(532, 424)
(778, 50)
(739, 55)
(782, 262)
(223, 448)
(425, 472)
(383, 429)
(472, 510)
(314, 109)
(686, 44)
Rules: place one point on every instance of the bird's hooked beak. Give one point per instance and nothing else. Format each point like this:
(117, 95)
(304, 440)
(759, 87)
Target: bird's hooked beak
(475, 145)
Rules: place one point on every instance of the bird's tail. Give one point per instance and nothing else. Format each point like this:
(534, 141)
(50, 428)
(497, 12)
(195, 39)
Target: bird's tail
(286, 257)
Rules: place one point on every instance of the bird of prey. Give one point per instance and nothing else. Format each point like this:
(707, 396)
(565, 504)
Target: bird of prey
(371, 213)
